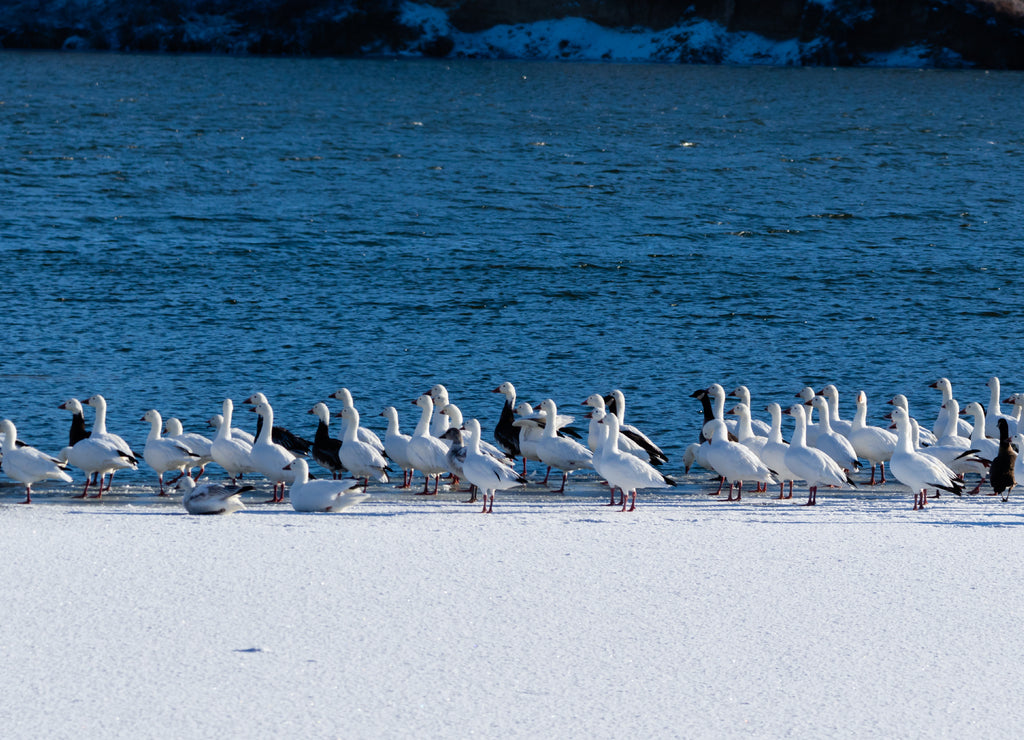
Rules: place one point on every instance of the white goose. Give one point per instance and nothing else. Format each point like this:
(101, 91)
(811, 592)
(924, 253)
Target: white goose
(806, 395)
(228, 450)
(595, 433)
(210, 498)
(321, 495)
(951, 437)
(99, 431)
(995, 413)
(810, 464)
(842, 426)
(270, 458)
(561, 453)
(93, 455)
(942, 420)
(654, 454)
(396, 446)
(759, 427)
(199, 444)
(27, 464)
(530, 430)
(733, 461)
(924, 436)
(161, 453)
(217, 420)
(439, 422)
(986, 447)
(773, 454)
(917, 471)
(426, 452)
(622, 470)
(360, 458)
(279, 435)
(716, 397)
(484, 471)
(831, 442)
(364, 434)
(874, 444)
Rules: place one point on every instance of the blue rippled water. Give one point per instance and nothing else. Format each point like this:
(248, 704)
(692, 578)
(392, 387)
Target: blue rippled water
(177, 229)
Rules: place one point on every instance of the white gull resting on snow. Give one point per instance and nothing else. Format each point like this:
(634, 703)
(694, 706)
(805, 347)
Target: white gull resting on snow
(210, 498)
(27, 464)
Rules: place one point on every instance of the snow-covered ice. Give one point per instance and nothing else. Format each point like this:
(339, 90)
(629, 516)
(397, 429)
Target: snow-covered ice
(554, 617)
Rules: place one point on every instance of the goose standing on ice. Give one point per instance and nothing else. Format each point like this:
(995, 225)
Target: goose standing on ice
(232, 453)
(360, 458)
(561, 453)
(616, 401)
(505, 432)
(917, 471)
(217, 420)
(733, 461)
(161, 453)
(942, 420)
(625, 471)
(806, 395)
(831, 442)
(95, 456)
(99, 431)
(594, 433)
(210, 498)
(924, 436)
(199, 444)
(484, 471)
(427, 453)
(842, 426)
(759, 427)
(270, 458)
(396, 446)
(325, 448)
(363, 434)
(1002, 473)
(773, 454)
(321, 495)
(995, 413)
(279, 435)
(810, 464)
(439, 422)
(874, 444)
(27, 464)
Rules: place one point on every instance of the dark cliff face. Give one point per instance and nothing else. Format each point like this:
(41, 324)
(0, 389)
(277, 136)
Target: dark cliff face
(983, 33)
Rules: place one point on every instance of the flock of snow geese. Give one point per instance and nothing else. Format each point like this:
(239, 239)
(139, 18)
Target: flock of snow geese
(824, 449)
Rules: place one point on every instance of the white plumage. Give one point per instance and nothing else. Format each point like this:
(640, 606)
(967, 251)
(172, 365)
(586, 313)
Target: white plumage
(561, 453)
(917, 471)
(810, 464)
(162, 453)
(27, 464)
(210, 498)
(622, 470)
(486, 472)
(321, 495)
(733, 461)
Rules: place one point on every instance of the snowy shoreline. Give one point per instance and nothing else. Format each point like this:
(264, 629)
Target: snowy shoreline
(689, 617)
